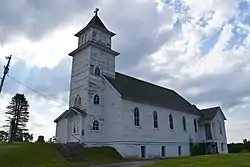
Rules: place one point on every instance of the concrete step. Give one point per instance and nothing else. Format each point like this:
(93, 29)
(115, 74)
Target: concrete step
(72, 152)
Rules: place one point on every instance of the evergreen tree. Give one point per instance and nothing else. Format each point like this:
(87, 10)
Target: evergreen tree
(18, 110)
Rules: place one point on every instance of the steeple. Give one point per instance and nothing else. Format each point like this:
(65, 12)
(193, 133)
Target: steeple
(95, 22)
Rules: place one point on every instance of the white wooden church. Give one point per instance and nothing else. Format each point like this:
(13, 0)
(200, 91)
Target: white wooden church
(137, 118)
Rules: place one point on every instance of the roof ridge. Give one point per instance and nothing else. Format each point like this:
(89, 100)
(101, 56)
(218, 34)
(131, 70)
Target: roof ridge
(210, 108)
(141, 80)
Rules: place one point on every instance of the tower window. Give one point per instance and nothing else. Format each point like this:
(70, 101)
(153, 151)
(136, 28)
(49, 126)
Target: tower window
(95, 125)
(94, 33)
(97, 71)
(136, 117)
(78, 101)
(96, 99)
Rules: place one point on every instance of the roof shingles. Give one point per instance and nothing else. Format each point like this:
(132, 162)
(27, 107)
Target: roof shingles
(138, 90)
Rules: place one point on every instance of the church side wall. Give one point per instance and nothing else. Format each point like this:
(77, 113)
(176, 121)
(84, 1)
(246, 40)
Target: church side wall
(221, 138)
(112, 114)
(61, 127)
(153, 138)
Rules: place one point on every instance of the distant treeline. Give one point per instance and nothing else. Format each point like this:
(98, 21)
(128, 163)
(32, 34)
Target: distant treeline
(239, 147)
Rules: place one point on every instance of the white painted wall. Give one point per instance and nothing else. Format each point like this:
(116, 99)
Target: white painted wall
(146, 131)
(112, 114)
(152, 138)
(61, 131)
(220, 138)
(79, 77)
(70, 120)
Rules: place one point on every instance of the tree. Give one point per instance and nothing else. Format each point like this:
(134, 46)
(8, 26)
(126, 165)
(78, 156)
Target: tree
(27, 137)
(17, 110)
(244, 141)
(3, 136)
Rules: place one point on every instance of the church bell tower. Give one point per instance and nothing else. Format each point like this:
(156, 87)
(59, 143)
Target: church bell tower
(92, 60)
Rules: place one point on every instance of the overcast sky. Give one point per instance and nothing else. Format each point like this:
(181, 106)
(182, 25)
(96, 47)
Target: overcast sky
(201, 49)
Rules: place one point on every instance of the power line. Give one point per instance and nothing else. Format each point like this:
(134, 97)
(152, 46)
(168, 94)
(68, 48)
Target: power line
(28, 87)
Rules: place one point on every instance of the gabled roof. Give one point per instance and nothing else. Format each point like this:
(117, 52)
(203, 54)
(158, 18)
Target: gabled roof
(209, 113)
(71, 109)
(95, 22)
(141, 91)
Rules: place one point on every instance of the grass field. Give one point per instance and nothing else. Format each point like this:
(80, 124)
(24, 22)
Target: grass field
(225, 160)
(46, 155)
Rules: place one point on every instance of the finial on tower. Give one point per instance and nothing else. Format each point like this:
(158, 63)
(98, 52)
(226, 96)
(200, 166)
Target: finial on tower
(96, 11)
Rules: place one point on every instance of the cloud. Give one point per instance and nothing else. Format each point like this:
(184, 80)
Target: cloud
(34, 18)
(237, 128)
(40, 79)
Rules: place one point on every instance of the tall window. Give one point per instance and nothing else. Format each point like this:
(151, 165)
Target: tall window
(155, 119)
(95, 125)
(75, 126)
(97, 71)
(184, 123)
(136, 117)
(96, 99)
(171, 121)
(195, 125)
(77, 101)
(222, 147)
(220, 127)
(179, 150)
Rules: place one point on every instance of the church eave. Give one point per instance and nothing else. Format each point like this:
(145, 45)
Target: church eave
(64, 114)
(94, 44)
(87, 27)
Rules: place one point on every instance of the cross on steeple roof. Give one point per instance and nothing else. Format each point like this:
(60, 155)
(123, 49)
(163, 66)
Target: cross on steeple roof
(96, 11)
(95, 22)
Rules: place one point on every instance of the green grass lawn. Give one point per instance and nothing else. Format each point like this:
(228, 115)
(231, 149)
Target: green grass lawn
(225, 160)
(46, 155)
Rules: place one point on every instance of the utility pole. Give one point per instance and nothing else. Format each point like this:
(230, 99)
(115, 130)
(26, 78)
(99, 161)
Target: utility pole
(5, 72)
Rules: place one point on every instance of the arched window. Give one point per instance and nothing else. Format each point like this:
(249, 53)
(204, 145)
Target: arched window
(184, 123)
(75, 102)
(195, 125)
(155, 119)
(97, 71)
(95, 125)
(79, 100)
(171, 121)
(136, 117)
(96, 99)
